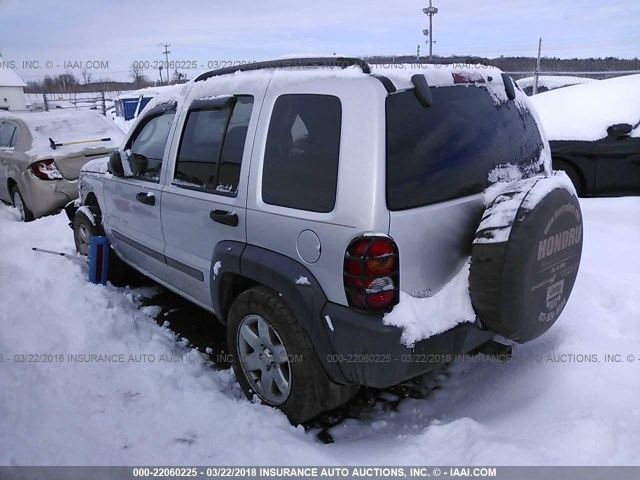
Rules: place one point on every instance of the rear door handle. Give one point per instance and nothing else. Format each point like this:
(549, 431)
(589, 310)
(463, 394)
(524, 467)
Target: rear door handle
(146, 197)
(225, 217)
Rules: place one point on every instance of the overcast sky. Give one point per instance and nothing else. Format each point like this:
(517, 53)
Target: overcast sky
(120, 32)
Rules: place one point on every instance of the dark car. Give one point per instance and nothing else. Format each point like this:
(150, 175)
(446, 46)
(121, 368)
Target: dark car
(594, 134)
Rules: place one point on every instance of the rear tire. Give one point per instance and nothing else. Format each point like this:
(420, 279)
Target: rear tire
(273, 358)
(18, 202)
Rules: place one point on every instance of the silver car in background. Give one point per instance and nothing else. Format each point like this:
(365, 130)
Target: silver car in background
(41, 155)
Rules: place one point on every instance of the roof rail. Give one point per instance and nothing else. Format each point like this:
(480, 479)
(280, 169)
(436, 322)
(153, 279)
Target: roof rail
(342, 62)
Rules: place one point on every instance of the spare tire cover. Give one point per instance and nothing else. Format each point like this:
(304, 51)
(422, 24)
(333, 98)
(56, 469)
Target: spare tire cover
(520, 286)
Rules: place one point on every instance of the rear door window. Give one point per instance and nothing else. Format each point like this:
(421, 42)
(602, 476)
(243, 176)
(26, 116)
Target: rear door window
(447, 150)
(301, 155)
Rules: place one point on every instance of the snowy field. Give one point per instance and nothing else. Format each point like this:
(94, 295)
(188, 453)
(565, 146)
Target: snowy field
(558, 402)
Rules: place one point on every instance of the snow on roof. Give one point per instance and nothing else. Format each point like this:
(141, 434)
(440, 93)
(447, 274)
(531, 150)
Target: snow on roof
(437, 75)
(9, 78)
(400, 74)
(584, 112)
(147, 92)
(67, 126)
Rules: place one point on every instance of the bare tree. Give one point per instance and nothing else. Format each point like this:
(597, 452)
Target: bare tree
(67, 81)
(86, 77)
(135, 72)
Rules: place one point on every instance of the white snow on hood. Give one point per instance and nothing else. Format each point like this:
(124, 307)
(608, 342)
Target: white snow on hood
(584, 112)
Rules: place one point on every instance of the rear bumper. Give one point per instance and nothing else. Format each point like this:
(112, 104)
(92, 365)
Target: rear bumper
(370, 353)
(45, 196)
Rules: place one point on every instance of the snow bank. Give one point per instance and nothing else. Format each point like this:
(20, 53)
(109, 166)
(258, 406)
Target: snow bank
(146, 397)
(422, 318)
(584, 112)
(557, 402)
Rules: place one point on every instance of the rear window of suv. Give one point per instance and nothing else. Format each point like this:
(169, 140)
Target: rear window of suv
(447, 150)
(302, 152)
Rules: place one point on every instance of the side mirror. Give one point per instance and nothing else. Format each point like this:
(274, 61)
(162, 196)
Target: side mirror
(115, 164)
(619, 130)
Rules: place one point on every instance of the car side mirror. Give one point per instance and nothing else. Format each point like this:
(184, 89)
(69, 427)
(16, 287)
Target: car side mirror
(619, 130)
(115, 164)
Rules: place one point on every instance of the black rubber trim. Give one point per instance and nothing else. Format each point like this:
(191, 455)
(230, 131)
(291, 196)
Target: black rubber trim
(386, 83)
(138, 246)
(70, 209)
(509, 86)
(279, 273)
(423, 94)
(186, 269)
(342, 62)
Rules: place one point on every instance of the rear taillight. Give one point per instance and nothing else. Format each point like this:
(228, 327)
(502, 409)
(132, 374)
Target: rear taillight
(45, 170)
(371, 279)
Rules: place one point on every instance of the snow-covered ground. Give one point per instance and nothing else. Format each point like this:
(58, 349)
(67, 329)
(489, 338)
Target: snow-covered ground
(557, 402)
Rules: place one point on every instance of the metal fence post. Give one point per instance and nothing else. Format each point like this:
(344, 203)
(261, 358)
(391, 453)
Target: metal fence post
(46, 102)
(104, 103)
(537, 73)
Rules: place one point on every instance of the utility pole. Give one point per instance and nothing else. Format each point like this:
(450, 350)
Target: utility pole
(430, 11)
(418, 54)
(166, 56)
(535, 77)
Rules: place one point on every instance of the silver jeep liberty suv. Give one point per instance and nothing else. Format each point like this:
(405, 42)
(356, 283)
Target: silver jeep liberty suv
(318, 207)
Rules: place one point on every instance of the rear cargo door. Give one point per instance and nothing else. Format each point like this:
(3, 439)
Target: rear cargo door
(439, 159)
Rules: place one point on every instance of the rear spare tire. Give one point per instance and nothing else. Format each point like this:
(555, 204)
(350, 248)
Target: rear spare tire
(525, 256)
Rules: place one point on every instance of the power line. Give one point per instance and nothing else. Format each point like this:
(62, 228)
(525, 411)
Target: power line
(166, 56)
(430, 11)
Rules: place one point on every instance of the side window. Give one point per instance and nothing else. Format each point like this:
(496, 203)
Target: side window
(212, 145)
(301, 156)
(8, 135)
(147, 147)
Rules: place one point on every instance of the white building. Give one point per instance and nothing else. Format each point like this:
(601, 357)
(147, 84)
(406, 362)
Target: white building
(11, 89)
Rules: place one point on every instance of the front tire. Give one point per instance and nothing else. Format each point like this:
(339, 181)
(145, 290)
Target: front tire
(18, 202)
(273, 358)
(84, 228)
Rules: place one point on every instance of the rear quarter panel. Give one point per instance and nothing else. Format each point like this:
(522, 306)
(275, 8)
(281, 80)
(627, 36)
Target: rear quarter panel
(360, 199)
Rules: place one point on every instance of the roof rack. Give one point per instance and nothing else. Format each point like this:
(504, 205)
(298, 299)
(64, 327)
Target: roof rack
(342, 62)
